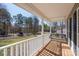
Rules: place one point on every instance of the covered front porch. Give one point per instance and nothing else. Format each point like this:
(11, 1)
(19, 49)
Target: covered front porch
(47, 43)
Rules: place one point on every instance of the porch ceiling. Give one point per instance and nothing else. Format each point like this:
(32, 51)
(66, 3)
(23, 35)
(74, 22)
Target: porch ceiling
(50, 11)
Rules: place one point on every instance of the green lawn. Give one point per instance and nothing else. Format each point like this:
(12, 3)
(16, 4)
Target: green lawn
(17, 39)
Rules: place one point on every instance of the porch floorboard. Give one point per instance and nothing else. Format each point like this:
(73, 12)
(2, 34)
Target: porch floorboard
(56, 47)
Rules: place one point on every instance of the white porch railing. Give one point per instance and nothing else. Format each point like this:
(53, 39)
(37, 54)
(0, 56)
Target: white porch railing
(26, 47)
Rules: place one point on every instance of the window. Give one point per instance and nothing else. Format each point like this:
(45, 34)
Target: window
(75, 31)
(70, 30)
(46, 25)
(78, 28)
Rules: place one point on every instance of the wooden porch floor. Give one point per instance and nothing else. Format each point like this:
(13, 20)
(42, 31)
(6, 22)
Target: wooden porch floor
(56, 47)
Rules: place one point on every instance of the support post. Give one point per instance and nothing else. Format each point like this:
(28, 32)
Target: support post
(50, 31)
(42, 32)
(50, 28)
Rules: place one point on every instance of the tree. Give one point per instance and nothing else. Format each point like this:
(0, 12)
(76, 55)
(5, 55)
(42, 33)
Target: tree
(55, 25)
(19, 23)
(27, 25)
(46, 27)
(5, 20)
(30, 21)
(32, 24)
(35, 25)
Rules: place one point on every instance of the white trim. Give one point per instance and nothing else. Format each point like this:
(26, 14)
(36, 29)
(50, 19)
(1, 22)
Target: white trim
(77, 31)
(72, 46)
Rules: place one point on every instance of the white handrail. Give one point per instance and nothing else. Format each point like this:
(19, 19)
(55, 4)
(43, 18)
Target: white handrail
(18, 42)
(25, 47)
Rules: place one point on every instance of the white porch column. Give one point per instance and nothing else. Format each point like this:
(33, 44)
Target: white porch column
(66, 24)
(77, 32)
(68, 32)
(72, 43)
(61, 28)
(50, 27)
(42, 32)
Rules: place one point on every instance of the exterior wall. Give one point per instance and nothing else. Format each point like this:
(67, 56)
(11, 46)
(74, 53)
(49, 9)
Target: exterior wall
(71, 16)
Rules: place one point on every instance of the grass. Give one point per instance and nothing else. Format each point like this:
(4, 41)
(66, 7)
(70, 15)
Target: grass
(4, 42)
(17, 39)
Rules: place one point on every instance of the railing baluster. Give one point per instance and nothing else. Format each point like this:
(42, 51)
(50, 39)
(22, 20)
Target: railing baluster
(21, 49)
(24, 48)
(17, 50)
(11, 51)
(5, 52)
(27, 48)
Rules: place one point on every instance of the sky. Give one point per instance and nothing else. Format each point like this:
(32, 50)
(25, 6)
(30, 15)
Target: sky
(13, 9)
